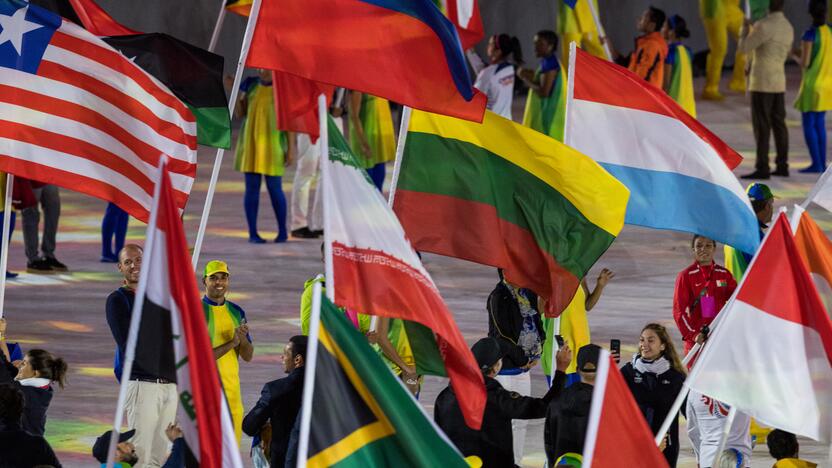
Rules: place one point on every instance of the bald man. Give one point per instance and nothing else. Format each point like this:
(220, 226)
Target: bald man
(151, 391)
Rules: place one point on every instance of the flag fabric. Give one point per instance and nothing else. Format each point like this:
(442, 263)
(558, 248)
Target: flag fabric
(362, 416)
(770, 353)
(815, 250)
(193, 74)
(616, 434)
(678, 172)
(821, 192)
(240, 7)
(377, 272)
(171, 290)
(406, 51)
(465, 15)
(570, 3)
(97, 21)
(296, 103)
(504, 195)
(78, 114)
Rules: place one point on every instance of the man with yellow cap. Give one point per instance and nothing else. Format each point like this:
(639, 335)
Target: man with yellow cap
(228, 331)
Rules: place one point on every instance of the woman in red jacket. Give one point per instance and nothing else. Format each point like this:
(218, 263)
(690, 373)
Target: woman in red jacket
(701, 290)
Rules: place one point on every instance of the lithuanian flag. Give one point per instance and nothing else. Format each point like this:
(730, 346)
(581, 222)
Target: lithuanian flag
(241, 7)
(361, 416)
(505, 195)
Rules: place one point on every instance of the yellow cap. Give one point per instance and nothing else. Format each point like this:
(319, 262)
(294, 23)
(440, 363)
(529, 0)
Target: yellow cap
(216, 266)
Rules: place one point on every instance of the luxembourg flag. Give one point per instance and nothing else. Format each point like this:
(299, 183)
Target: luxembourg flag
(678, 172)
(770, 352)
(171, 289)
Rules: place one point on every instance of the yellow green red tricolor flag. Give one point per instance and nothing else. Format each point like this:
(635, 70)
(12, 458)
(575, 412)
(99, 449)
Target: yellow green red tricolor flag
(504, 195)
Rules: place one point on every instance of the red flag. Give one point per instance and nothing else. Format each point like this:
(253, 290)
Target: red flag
(296, 103)
(617, 434)
(816, 250)
(770, 353)
(406, 51)
(97, 21)
(465, 14)
(171, 289)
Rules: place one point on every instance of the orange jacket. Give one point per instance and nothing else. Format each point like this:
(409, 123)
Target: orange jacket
(647, 61)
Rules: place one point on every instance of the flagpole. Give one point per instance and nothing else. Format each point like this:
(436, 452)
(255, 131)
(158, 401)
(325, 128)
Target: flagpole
(397, 165)
(600, 28)
(570, 93)
(4, 255)
(232, 103)
(680, 398)
(816, 188)
(309, 364)
(596, 406)
(323, 140)
(555, 347)
(215, 35)
(726, 431)
(136, 316)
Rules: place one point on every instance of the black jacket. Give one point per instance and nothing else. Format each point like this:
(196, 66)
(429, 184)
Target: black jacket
(654, 395)
(566, 422)
(19, 449)
(279, 404)
(36, 400)
(505, 323)
(493, 443)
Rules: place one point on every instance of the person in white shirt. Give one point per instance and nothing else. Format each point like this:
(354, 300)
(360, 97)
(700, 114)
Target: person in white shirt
(706, 420)
(496, 80)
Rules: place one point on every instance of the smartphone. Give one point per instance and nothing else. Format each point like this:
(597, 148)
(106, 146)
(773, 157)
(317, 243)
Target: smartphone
(615, 347)
(560, 341)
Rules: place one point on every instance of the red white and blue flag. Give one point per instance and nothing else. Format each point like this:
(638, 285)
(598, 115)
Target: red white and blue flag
(678, 172)
(171, 289)
(406, 51)
(76, 113)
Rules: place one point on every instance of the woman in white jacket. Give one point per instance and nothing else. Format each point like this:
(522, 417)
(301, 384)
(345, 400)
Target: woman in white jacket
(496, 80)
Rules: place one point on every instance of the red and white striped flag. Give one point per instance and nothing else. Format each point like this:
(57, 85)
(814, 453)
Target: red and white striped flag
(770, 353)
(616, 434)
(171, 289)
(76, 113)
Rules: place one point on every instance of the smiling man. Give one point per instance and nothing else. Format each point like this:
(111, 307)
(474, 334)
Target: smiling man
(228, 330)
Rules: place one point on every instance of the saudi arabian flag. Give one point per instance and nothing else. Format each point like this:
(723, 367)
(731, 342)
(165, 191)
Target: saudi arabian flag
(193, 74)
(362, 416)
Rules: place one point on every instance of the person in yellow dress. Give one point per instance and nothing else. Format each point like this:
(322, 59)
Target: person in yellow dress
(576, 24)
(228, 331)
(371, 134)
(721, 17)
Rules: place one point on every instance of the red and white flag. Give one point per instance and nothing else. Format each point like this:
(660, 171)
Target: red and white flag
(75, 112)
(465, 14)
(376, 271)
(171, 289)
(617, 435)
(770, 353)
(816, 250)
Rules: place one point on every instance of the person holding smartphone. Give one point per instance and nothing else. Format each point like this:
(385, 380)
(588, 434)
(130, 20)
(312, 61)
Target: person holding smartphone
(701, 290)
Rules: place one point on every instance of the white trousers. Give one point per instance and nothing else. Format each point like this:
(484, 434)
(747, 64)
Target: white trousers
(306, 177)
(150, 408)
(521, 384)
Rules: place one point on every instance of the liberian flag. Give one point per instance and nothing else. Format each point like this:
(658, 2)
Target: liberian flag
(76, 113)
(815, 250)
(377, 272)
(770, 353)
(171, 288)
(678, 172)
(616, 434)
(406, 51)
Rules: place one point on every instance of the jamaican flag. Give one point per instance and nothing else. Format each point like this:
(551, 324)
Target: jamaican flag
(362, 416)
(241, 7)
(193, 74)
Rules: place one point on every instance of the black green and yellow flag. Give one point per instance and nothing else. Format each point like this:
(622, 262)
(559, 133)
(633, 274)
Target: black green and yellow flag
(193, 74)
(362, 416)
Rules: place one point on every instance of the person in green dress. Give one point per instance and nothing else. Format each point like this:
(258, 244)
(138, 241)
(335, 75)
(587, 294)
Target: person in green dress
(546, 104)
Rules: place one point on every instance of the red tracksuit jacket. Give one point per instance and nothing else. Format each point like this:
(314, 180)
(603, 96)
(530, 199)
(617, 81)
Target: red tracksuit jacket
(715, 280)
